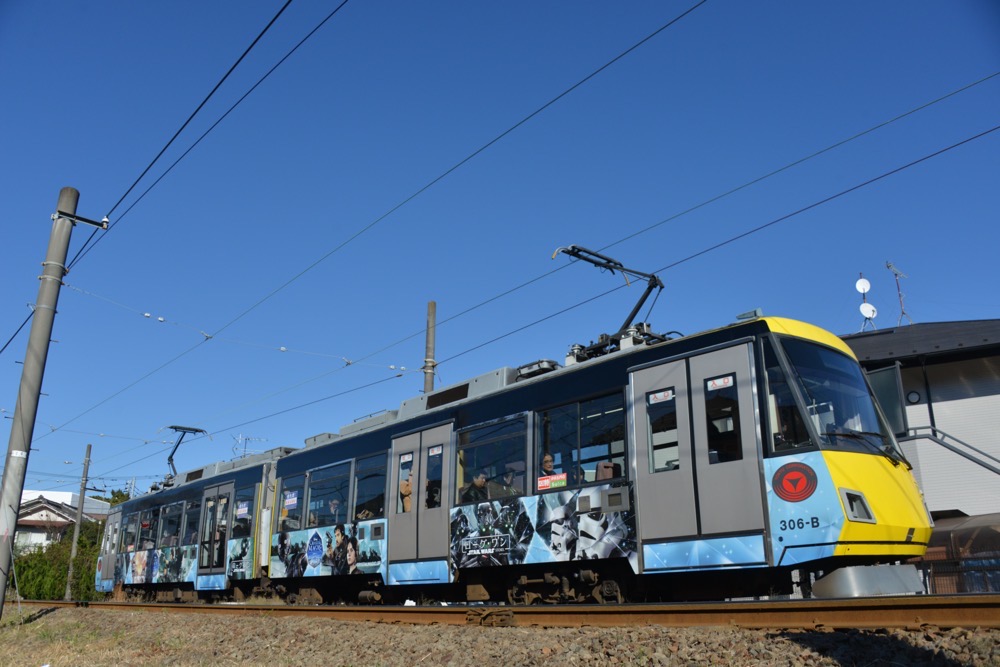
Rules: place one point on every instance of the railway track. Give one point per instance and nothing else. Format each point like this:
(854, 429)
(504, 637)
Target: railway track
(910, 612)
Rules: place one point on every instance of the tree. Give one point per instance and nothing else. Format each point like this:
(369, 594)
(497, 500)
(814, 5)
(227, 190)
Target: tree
(117, 496)
(41, 573)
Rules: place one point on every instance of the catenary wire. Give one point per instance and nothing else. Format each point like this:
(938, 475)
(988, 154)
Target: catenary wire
(737, 237)
(716, 246)
(408, 199)
(184, 125)
(80, 255)
(687, 211)
(460, 163)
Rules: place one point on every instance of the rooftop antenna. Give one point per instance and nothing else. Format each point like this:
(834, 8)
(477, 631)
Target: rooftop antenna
(181, 432)
(241, 442)
(902, 309)
(867, 310)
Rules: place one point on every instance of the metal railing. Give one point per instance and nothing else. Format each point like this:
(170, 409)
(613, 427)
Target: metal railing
(953, 444)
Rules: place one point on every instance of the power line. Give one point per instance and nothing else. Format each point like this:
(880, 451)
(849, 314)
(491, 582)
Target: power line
(460, 163)
(704, 203)
(269, 416)
(402, 203)
(84, 248)
(716, 246)
(733, 239)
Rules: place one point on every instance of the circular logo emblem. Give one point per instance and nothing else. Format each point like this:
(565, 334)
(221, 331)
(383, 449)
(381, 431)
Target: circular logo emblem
(794, 482)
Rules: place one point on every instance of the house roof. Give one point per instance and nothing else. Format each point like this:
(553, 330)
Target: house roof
(933, 339)
(67, 513)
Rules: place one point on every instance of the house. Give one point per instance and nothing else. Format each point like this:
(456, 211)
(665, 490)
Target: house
(46, 515)
(939, 385)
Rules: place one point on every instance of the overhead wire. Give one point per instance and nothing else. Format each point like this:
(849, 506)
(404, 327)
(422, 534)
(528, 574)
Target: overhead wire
(498, 138)
(716, 246)
(214, 125)
(413, 196)
(194, 113)
(737, 237)
(462, 162)
(696, 207)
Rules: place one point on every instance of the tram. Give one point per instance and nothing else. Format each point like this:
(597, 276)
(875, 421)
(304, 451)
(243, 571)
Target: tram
(749, 460)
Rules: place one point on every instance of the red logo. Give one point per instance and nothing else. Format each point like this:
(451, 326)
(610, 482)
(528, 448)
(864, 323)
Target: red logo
(794, 482)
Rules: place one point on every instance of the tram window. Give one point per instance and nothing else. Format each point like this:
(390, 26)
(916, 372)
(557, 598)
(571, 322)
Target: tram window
(130, 533)
(148, 521)
(207, 531)
(328, 489)
(788, 430)
(661, 412)
(171, 517)
(435, 462)
(290, 499)
(221, 530)
(404, 492)
(582, 443)
(243, 512)
(191, 522)
(722, 416)
(491, 460)
(369, 488)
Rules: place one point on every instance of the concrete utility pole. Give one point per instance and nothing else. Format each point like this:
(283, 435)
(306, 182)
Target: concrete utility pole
(429, 362)
(76, 528)
(54, 268)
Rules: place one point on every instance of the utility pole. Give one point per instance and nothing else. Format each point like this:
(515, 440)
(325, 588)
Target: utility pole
(76, 528)
(54, 268)
(429, 362)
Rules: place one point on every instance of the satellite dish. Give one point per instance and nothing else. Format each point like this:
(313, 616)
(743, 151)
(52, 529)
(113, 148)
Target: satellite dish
(868, 310)
(862, 286)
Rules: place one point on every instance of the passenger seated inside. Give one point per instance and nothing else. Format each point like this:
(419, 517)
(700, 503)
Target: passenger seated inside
(507, 485)
(548, 466)
(476, 491)
(608, 470)
(433, 494)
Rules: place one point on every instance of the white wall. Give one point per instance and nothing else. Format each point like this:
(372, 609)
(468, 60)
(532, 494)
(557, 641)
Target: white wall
(966, 405)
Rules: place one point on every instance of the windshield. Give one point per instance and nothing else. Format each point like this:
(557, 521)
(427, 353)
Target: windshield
(838, 401)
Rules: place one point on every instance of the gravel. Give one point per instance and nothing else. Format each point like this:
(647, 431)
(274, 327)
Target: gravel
(71, 636)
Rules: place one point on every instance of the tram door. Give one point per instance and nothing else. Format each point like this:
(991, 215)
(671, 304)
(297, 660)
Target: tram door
(421, 482)
(696, 443)
(109, 546)
(215, 517)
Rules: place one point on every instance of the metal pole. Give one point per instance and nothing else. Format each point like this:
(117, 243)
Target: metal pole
(54, 268)
(76, 527)
(429, 362)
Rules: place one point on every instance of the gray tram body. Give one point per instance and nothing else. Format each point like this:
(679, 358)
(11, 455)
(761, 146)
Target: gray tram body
(670, 479)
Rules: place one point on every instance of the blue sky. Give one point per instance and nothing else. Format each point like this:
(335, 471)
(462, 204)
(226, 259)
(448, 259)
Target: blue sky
(245, 237)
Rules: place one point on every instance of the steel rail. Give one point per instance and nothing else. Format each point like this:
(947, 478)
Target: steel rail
(907, 612)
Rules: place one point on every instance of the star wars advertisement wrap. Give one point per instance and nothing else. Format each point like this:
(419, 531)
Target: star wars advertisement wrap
(169, 565)
(541, 529)
(330, 550)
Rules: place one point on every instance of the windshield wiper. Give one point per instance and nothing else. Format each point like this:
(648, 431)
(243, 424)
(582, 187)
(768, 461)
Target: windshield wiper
(865, 437)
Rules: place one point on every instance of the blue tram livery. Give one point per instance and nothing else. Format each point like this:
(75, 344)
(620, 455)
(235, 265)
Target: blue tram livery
(749, 460)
